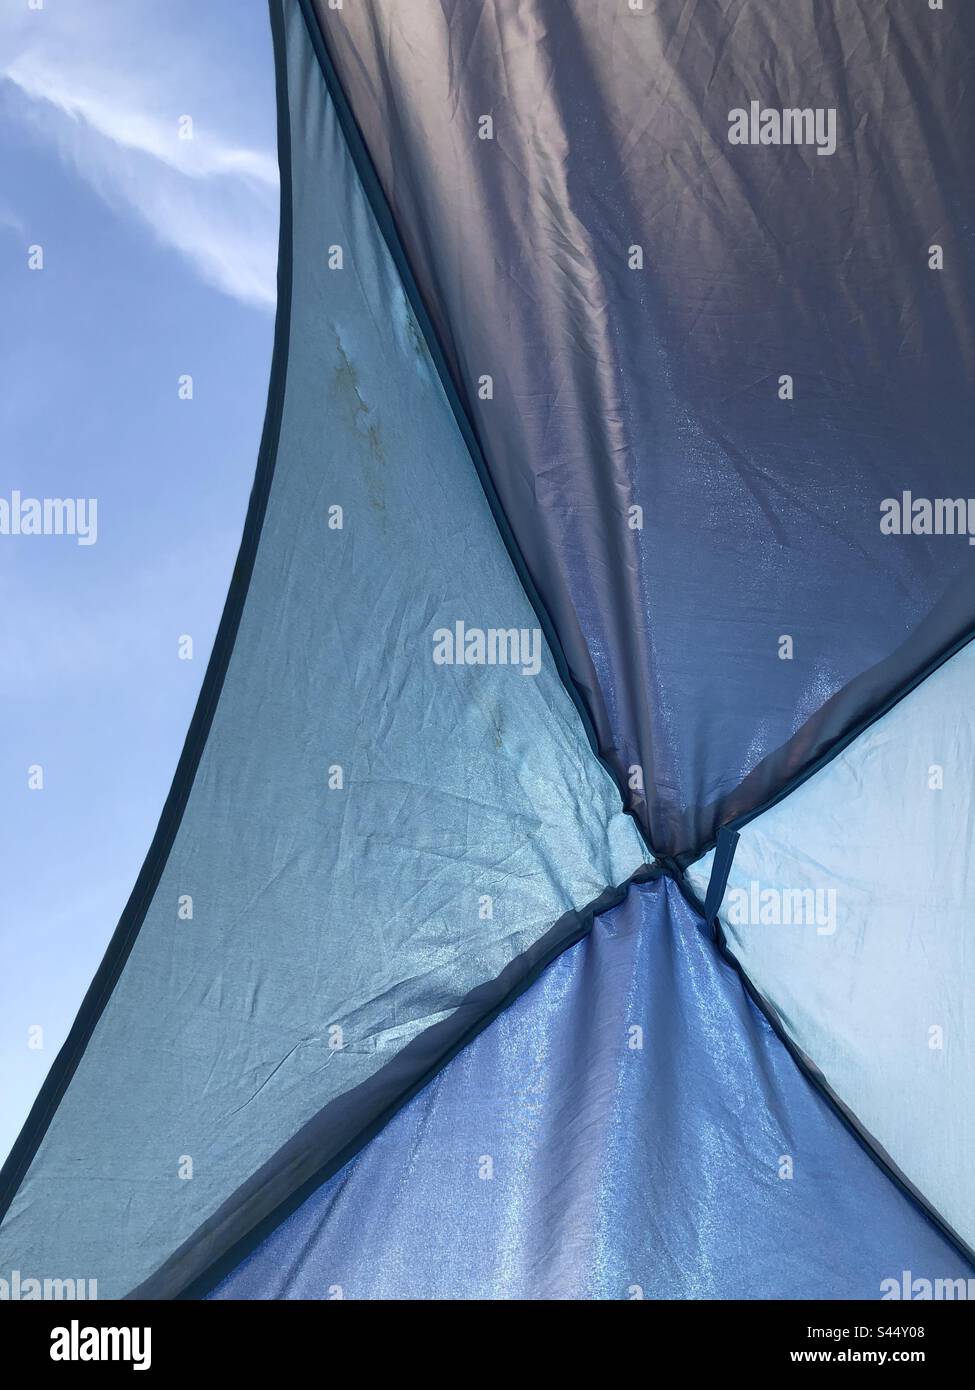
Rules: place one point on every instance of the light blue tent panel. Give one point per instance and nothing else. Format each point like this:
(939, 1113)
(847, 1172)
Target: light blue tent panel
(874, 973)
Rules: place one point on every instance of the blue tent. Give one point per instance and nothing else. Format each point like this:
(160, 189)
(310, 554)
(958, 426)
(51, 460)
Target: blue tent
(563, 891)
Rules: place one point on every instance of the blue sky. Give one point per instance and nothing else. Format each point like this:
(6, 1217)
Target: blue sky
(159, 261)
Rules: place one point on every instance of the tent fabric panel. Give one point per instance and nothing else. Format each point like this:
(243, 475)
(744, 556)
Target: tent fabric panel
(332, 1137)
(652, 284)
(564, 1155)
(849, 906)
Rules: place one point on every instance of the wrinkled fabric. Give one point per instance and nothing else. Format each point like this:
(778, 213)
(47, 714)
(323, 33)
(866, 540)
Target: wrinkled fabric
(370, 836)
(695, 371)
(850, 907)
(636, 288)
(631, 1127)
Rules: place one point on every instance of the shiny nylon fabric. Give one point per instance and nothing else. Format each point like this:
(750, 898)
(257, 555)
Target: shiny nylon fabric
(615, 1169)
(334, 927)
(873, 973)
(312, 912)
(659, 387)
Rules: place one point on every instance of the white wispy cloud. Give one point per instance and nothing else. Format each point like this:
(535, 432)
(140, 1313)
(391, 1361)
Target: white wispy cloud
(213, 198)
(10, 220)
(116, 116)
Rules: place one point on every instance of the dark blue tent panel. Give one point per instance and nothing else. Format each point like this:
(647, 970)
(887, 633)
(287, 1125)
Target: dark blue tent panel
(707, 364)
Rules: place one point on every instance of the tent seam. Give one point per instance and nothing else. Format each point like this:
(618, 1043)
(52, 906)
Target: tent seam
(818, 1081)
(382, 212)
